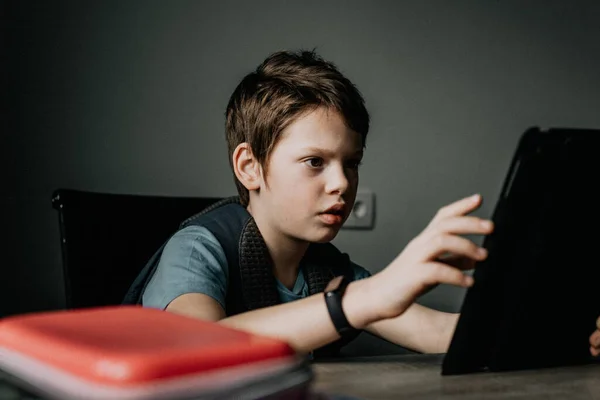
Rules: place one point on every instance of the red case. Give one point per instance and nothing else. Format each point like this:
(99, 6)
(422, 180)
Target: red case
(131, 352)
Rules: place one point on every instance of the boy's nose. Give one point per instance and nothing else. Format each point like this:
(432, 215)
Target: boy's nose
(337, 181)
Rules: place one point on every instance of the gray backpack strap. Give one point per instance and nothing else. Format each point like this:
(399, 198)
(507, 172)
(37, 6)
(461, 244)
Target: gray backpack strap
(251, 281)
(258, 283)
(195, 219)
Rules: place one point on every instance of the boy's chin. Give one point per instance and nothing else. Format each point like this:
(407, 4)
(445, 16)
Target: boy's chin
(324, 237)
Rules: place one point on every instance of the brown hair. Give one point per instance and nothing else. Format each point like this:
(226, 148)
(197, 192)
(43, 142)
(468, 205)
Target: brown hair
(283, 87)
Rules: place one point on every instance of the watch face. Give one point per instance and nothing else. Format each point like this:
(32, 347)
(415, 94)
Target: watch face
(334, 283)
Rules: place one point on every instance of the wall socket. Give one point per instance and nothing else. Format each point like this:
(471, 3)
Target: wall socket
(362, 215)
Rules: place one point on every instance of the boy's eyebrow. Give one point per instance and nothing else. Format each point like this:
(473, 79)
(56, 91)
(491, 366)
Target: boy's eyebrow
(329, 153)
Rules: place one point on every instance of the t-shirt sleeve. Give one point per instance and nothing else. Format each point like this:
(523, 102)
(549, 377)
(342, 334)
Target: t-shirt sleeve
(192, 261)
(359, 272)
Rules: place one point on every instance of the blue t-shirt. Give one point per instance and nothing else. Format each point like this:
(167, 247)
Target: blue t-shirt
(193, 261)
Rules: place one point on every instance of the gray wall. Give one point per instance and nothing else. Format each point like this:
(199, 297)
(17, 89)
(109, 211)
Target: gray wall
(128, 97)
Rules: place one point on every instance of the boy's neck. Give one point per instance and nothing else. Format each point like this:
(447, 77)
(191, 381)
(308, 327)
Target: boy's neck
(286, 252)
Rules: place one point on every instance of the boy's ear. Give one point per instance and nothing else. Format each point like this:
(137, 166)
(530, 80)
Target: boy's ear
(246, 167)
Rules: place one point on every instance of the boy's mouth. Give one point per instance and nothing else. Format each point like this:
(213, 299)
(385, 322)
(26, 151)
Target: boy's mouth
(336, 209)
(334, 215)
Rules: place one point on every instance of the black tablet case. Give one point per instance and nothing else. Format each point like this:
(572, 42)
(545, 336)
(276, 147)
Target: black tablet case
(536, 297)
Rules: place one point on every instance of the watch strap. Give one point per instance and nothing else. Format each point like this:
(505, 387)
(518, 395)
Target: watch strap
(333, 299)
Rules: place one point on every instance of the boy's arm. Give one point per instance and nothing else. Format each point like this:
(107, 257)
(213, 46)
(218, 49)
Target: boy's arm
(306, 324)
(420, 328)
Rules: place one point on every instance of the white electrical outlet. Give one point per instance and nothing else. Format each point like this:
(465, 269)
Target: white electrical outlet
(362, 215)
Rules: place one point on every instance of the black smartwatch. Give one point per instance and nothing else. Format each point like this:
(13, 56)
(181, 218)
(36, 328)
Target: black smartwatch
(333, 298)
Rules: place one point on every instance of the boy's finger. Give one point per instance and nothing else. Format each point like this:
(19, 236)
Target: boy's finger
(464, 225)
(598, 323)
(595, 339)
(442, 273)
(441, 245)
(595, 351)
(460, 207)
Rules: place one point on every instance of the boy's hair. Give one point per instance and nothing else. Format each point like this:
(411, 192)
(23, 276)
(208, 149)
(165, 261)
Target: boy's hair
(285, 86)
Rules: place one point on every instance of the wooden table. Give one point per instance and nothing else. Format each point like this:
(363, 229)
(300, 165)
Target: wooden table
(418, 377)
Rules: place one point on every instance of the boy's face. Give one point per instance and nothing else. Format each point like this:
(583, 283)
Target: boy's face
(312, 177)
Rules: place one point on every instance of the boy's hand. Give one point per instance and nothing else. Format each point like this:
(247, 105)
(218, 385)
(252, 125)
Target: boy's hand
(422, 264)
(595, 340)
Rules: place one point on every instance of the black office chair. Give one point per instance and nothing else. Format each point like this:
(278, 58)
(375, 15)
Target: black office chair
(106, 239)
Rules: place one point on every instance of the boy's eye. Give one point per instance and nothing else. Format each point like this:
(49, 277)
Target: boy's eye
(314, 162)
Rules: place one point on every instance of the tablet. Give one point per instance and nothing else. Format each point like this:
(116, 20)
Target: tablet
(536, 298)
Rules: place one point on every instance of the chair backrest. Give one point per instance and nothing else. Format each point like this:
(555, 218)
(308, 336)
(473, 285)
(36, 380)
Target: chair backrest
(106, 239)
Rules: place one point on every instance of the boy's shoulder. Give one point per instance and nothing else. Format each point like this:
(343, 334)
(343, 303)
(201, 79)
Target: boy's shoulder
(192, 240)
(197, 233)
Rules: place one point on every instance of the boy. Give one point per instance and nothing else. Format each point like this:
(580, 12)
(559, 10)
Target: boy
(296, 129)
